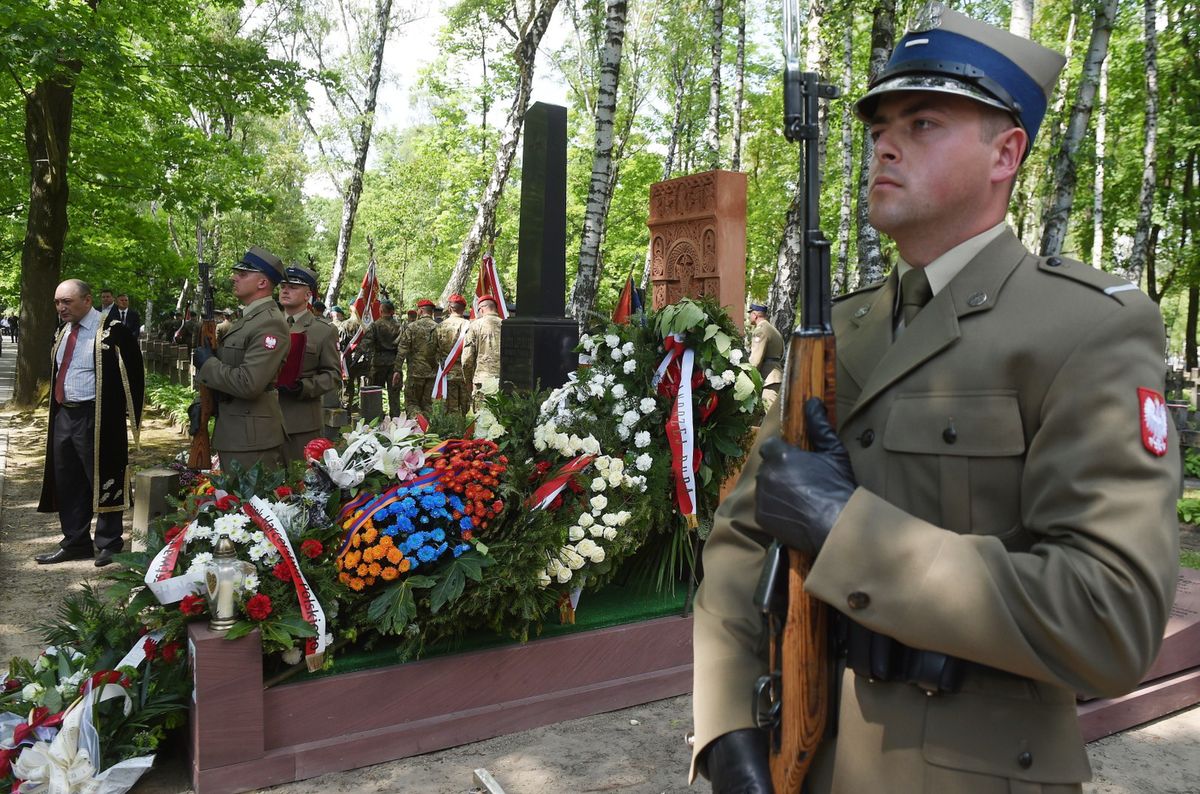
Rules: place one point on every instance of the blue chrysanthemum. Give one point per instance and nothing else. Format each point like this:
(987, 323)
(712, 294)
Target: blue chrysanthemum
(425, 554)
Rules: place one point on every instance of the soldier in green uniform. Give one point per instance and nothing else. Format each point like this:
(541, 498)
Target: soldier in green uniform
(766, 353)
(481, 351)
(166, 329)
(249, 425)
(225, 324)
(379, 343)
(458, 392)
(993, 520)
(188, 334)
(416, 351)
(320, 371)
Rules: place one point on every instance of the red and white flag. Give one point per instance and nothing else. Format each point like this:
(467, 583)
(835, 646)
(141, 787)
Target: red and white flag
(366, 308)
(440, 392)
(488, 283)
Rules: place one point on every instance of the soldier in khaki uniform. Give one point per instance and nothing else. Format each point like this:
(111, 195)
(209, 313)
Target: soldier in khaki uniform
(993, 522)
(249, 425)
(379, 344)
(320, 372)
(766, 353)
(416, 351)
(189, 333)
(458, 392)
(481, 350)
(225, 324)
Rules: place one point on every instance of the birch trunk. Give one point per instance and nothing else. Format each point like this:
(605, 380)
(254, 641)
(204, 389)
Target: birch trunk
(870, 254)
(352, 192)
(1021, 22)
(1030, 212)
(1141, 237)
(525, 53)
(842, 283)
(1058, 215)
(1101, 143)
(712, 130)
(739, 79)
(583, 295)
(680, 72)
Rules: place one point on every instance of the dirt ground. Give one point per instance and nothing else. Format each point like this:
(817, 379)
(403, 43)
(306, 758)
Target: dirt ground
(639, 749)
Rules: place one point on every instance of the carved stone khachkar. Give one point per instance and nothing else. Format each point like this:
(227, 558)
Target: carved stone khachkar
(698, 240)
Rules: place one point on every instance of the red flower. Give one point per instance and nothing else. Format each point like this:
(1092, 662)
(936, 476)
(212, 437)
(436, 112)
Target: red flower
(282, 491)
(170, 652)
(497, 506)
(228, 502)
(311, 549)
(172, 533)
(259, 607)
(281, 572)
(192, 605)
(314, 449)
(151, 648)
(11, 684)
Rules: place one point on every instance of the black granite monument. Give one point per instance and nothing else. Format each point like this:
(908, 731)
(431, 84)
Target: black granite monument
(537, 347)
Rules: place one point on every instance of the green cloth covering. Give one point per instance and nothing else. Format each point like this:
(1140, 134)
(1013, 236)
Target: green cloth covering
(614, 605)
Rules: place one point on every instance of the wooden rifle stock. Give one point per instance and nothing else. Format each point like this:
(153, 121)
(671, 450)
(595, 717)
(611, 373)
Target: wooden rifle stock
(200, 453)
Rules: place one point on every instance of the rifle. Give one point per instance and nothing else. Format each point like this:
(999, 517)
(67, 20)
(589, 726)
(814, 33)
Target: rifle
(794, 699)
(200, 454)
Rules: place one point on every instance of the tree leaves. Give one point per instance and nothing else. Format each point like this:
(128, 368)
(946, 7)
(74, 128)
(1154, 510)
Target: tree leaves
(452, 579)
(395, 607)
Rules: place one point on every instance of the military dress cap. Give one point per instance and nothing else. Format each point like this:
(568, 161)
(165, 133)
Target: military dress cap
(425, 303)
(412, 312)
(264, 262)
(456, 298)
(947, 52)
(298, 274)
(758, 307)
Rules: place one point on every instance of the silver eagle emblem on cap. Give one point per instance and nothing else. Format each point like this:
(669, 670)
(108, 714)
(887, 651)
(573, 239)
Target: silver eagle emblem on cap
(928, 18)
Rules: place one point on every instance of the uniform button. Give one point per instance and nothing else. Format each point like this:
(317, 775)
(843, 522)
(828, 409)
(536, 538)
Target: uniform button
(867, 438)
(858, 600)
(1025, 759)
(1053, 261)
(977, 299)
(950, 435)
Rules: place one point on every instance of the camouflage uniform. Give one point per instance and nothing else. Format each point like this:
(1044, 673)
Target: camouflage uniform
(481, 355)
(458, 392)
(416, 349)
(354, 366)
(380, 342)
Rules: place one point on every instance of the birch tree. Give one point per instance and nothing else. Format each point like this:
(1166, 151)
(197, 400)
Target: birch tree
(846, 206)
(883, 39)
(583, 295)
(1145, 217)
(526, 27)
(1021, 21)
(1101, 142)
(712, 130)
(739, 81)
(1058, 213)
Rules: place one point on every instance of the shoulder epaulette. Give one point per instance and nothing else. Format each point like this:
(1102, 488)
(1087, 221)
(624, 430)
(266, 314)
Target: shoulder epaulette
(868, 288)
(1113, 286)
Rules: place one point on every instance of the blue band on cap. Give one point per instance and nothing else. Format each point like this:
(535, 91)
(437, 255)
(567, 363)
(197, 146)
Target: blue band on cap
(958, 49)
(263, 266)
(757, 307)
(296, 273)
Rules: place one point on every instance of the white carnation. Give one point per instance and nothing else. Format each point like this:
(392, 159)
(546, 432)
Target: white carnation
(735, 355)
(627, 348)
(612, 340)
(642, 439)
(618, 391)
(617, 355)
(623, 431)
(292, 655)
(648, 405)
(630, 418)
(629, 367)
(644, 462)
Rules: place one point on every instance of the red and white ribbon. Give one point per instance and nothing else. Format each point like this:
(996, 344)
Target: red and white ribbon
(489, 284)
(547, 491)
(440, 390)
(674, 378)
(259, 511)
(169, 589)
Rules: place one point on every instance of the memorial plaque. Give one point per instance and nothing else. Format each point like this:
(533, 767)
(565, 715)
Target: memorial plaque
(536, 346)
(698, 240)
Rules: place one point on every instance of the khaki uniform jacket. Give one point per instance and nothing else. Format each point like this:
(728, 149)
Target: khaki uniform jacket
(417, 349)
(320, 373)
(1008, 513)
(766, 352)
(380, 340)
(244, 371)
(481, 348)
(447, 335)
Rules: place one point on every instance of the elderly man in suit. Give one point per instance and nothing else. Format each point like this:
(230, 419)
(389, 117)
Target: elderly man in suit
(993, 521)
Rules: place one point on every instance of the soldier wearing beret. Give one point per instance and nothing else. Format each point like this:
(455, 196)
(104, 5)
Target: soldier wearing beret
(380, 341)
(992, 523)
(766, 353)
(301, 389)
(481, 350)
(242, 372)
(450, 333)
(417, 352)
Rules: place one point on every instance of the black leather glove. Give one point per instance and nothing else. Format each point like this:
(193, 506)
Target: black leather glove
(200, 355)
(737, 763)
(801, 494)
(193, 419)
(290, 391)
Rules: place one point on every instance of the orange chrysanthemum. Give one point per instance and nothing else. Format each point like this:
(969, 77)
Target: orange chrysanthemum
(394, 556)
(389, 574)
(404, 565)
(370, 535)
(375, 569)
(356, 584)
(363, 570)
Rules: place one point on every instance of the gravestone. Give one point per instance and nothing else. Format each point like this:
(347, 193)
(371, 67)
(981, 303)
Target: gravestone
(698, 240)
(152, 491)
(537, 347)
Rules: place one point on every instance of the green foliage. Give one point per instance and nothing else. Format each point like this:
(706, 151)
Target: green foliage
(170, 398)
(1189, 510)
(1189, 559)
(1191, 461)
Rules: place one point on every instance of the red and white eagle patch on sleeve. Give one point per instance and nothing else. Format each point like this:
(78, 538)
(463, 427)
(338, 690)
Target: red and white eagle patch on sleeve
(1153, 409)
(269, 342)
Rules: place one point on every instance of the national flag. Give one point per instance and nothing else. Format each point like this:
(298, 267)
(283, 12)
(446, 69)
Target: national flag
(628, 304)
(366, 309)
(488, 283)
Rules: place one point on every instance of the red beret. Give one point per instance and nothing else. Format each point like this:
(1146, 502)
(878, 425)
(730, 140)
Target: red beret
(424, 303)
(491, 298)
(456, 298)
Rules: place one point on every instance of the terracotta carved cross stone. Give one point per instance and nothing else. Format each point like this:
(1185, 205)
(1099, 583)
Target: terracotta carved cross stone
(698, 240)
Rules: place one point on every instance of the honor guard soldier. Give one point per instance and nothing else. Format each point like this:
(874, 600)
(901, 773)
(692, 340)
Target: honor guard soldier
(301, 387)
(481, 350)
(380, 341)
(225, 324)
(417, 352)
(992, 523)
(242, 372)
(766, 353)
(449, 351)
